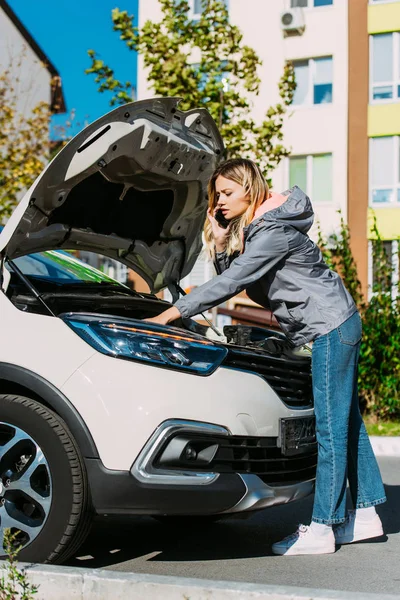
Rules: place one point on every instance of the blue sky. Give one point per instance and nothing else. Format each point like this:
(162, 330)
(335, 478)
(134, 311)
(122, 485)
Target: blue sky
(65, 30)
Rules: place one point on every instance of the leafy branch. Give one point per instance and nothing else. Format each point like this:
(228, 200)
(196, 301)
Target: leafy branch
(205, 63)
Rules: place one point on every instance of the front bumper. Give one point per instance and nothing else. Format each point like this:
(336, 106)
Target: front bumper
(194, 468)
(119, 493)
(259, 495)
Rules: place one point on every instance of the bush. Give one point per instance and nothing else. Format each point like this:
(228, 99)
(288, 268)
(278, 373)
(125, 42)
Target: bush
(14, 584)
(379, 368)
(380, 350)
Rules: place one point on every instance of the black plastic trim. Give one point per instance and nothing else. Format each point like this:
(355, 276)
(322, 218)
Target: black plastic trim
(54, 399)
(118, 492)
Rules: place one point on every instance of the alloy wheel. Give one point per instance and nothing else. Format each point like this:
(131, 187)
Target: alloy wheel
(25, 486)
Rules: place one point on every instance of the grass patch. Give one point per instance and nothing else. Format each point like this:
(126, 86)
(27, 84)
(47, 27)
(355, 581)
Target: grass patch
(390, 428)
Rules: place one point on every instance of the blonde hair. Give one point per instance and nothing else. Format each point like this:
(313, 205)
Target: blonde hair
(249, 175)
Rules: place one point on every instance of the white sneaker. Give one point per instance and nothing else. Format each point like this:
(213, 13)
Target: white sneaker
(355, 530)
(304, 541)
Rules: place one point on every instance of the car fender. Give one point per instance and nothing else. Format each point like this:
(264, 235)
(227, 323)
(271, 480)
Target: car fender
(17, 379)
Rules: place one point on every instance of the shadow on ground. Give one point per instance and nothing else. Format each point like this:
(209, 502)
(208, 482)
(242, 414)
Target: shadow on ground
(115, 540)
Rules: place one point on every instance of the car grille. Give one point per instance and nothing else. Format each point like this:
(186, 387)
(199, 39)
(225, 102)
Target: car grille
(290, 379)
(262, 457)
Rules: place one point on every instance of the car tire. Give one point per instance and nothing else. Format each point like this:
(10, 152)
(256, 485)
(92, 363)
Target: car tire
(43, 484)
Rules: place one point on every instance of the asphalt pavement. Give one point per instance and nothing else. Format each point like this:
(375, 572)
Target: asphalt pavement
(240, 549)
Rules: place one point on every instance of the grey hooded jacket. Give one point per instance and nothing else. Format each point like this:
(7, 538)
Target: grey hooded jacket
(281, 269)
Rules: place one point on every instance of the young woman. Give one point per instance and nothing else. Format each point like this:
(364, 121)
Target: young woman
(265, 249)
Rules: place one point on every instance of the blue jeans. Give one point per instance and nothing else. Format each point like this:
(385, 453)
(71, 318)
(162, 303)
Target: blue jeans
(344, 449)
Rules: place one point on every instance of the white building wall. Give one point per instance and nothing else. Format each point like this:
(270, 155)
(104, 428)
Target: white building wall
(308, 130)
(148, 10)
(317, 129)
(31, 78)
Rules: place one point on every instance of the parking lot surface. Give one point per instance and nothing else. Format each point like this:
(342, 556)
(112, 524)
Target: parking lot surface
(240, 550)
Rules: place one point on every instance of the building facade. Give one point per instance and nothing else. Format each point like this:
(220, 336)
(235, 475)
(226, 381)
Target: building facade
(343, 128)
(384, 128)
(316, 127)
(38, 79)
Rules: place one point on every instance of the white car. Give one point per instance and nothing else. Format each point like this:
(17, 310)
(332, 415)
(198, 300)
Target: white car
(101, 412)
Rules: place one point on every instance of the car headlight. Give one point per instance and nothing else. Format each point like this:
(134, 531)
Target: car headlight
(159, 345)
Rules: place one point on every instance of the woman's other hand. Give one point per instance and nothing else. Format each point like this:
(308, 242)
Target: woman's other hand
(171, 314)
(220, 234)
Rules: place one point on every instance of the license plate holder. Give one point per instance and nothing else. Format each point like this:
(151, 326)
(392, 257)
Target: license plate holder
(298, 435)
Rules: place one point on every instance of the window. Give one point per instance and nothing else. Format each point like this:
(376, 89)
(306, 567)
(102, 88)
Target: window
(313, 80)
(311, 3)
(385, 66)
(313, 174)
(223, 77)
(384, 168)
(391, 250)
(198, 6)
(62, 268)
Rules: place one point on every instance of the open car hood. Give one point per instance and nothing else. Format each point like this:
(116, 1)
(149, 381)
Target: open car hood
(131, 186)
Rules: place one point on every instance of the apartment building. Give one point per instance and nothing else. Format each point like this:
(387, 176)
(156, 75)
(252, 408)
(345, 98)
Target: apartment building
(383, 20)
(38, 79)
(316, 127)
(343, 128)
(313, 34)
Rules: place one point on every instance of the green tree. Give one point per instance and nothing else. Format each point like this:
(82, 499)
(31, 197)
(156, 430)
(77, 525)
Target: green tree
(24, 143)
(338, 255)
(205, 63)
(345, 263)
(322, 243)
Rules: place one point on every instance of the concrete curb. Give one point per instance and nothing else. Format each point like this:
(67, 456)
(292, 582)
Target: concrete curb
(71, 583)
(385, 445)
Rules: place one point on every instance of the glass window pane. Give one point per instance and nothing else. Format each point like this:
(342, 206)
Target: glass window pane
(198, 6)
(322, 178)
(323, 70)
(382, 196)
(322, 2)
(298, 172)
(382, 157)
(382, 57)
(323, 93)
(323, 77)
(398, 159)
(382, 92)
(301, 72)
(295, 3)
(377, 277)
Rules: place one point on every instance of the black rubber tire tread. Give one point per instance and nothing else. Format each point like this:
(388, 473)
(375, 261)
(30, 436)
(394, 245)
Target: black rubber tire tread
(81, 515)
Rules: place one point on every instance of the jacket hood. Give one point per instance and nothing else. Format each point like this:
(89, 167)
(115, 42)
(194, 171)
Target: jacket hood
(295, 211)
(131, 186)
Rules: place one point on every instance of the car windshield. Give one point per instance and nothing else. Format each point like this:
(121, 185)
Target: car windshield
(60, 267)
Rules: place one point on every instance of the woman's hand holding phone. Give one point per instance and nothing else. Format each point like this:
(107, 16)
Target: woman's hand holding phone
(220, 228)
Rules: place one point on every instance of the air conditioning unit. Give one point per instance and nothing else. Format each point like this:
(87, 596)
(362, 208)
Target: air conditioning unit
(292, 22)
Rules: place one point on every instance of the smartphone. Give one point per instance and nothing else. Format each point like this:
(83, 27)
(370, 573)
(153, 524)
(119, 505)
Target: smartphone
(219, 217)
